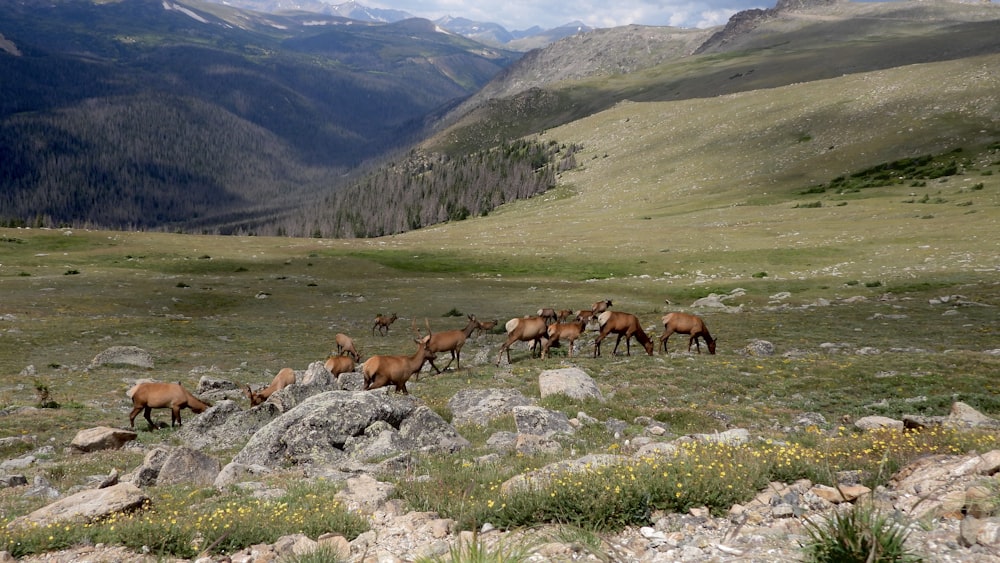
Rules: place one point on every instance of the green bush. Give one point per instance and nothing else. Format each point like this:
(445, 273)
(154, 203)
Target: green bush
(860, 534)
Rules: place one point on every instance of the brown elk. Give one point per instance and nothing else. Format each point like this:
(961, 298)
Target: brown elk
(337, 364)
(150, 395)
(600, 306)
(346, 344)
(549, 314)
(522, 330)
(382, 323)
(285, 377)
(562, 315)
(380, 371)
(685, 323)
(624, 325)
(449, 341)
(485, 325)
(568, 331)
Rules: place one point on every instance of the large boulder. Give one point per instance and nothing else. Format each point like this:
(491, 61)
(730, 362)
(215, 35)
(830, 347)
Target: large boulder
(572, 382)
(86, 506)
(226, 425)
(123, 355)
(101, 438)
(479, 406)
(335, 427)
(184, 465)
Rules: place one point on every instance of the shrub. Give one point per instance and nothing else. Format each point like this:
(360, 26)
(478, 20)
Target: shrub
(860, 534)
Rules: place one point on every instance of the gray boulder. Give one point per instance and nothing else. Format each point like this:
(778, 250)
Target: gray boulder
(227, 425)
(86, 506)
(321, 429)
(572, 382)
(101, 438)
(184, 465)
(541, 422)
(479, 406)
(123, 355)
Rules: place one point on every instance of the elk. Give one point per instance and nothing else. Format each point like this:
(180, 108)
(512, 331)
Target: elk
(150, 395)
(382, 323)
(337, 364)
(285, 377)
(380, 371)
(485, 325)
(685, 323)
(522, 330)
(624, 325)
(449, 341)
(549, 314)
(562, 315)
(569, 331)
(346, 344)
(601, 306)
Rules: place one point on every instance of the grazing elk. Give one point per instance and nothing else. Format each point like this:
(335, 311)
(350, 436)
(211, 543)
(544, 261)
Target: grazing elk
(380, 371)
(346, 344)
(382, 323)
(624, 325)
(685, 323)
(549, 314)
(568, 331)
(600, 306)
(285, 377)
(524, 329)
(485, 325)
(150, 395)
(449, 341)
(337, 364)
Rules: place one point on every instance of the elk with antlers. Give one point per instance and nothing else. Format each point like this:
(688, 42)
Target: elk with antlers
(685, 323)
(380, 371)
(624, 325)
(522, 330)
(569, 331)
(382, 323)
(449, 341)
(285, 377)
(345, 344)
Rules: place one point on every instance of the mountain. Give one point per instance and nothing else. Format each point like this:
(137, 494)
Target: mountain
(182, 114)
(492, 34)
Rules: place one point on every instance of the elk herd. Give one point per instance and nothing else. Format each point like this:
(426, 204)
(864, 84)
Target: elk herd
(544, 330)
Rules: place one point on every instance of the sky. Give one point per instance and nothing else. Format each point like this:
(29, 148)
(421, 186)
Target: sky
(523, 14)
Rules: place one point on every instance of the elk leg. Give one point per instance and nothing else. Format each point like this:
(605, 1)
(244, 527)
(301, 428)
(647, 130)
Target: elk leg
(146, 412)
(132, 415)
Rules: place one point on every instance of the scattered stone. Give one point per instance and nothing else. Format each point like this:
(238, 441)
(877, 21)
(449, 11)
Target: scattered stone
(572, 382)
(101, 438)
(541, 422)
(480, 406)
(759, 348)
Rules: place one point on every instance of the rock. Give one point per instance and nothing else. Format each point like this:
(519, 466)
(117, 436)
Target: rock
(294, 545)
(541, 422)
(214, 389)
(233, 473)
(759, 348)
(101, 438)
(123, 355)
(185, 465)
(87, 506)
(316, 374)
(316, 431)
(479, 406)
(146, 474)
(225, 423)
(7, 481)
(735, 437)
(877, 422)
(963, 415)
(572, 382)
(541, 477)
(364, 493)
(533, 444)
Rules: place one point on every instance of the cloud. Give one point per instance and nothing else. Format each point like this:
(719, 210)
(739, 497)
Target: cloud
(523, 14)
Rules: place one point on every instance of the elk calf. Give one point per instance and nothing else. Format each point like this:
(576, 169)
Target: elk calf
(151, 395)
(284, 378)
(685, 323)
(346, 344)
(449, 341)
(383, 322)
(569, 331)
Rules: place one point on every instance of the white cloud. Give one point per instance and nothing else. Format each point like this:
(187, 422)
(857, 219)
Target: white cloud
(522, 14)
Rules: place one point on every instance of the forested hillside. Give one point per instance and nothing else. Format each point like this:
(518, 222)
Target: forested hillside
(186, 116)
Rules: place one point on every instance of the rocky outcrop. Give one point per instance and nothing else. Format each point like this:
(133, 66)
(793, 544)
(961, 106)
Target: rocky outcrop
(335, 426)
(87, 506)
(101, 438)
